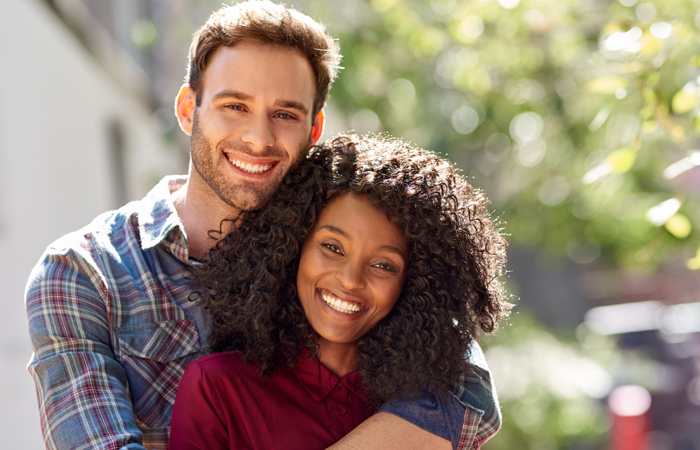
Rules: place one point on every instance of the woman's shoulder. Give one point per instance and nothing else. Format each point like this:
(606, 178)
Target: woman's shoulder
(227, 365)
(217, 358)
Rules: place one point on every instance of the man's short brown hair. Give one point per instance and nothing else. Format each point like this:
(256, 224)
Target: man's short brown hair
(267, 23)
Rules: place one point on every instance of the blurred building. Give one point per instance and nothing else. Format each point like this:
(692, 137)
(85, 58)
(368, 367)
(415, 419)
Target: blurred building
(656, 315)
(78, 136)
(653, 316)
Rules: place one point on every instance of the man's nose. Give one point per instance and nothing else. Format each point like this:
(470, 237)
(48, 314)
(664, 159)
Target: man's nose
(258, 132)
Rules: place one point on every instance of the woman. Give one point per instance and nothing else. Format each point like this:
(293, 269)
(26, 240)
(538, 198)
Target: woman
(366, 277)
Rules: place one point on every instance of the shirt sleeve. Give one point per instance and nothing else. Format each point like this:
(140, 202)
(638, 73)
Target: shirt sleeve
(197, 423)
(468, 417)
(81, 387)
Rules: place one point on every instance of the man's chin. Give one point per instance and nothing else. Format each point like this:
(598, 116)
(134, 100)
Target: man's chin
(248, 201)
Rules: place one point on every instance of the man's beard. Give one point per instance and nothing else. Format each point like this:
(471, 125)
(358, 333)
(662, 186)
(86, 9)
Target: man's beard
(241, 195)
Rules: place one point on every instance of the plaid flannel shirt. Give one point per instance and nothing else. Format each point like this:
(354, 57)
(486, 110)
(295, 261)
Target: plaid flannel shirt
(113, 325)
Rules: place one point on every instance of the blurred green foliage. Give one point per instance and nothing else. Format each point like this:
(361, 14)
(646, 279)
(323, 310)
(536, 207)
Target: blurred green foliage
(539, 377)
(552, 386)
(579, 118)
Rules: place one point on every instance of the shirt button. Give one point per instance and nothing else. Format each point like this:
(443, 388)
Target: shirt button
(337, 387)
(342, 411)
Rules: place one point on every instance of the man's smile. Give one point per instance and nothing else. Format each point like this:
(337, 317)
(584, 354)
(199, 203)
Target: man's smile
(250, 167)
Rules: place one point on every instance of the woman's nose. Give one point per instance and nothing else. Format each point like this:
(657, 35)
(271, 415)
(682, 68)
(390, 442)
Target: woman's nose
(351, 276)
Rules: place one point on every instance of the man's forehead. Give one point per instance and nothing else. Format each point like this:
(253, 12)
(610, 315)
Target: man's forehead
(252, 64)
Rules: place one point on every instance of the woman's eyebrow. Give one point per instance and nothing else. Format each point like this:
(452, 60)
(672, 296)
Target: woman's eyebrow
(386, 248)
(336, 230)
(391, 249)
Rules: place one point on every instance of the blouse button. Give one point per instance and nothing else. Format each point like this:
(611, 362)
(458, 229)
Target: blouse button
(342, 411)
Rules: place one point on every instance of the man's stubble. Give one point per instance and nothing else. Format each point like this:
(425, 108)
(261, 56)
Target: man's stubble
(242, 195)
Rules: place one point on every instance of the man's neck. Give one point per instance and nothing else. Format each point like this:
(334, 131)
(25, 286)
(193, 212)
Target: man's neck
(201, 212)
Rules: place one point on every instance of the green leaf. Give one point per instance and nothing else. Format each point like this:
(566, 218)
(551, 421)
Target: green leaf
(607, 84)
(694, 263)
(621, 160)
(679, 226)
(684, 101)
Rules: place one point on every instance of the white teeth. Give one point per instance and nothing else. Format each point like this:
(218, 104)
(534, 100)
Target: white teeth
(251, 168)
(340, 305)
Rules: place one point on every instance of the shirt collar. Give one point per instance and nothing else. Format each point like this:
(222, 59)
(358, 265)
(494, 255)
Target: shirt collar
(320, 382)
(157, 216)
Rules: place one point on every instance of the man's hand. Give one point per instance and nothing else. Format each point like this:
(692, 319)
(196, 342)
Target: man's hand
(385, 431)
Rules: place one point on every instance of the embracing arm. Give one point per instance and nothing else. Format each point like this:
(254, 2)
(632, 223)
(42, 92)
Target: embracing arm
(82, 388)
(388, 432)
(464, 420)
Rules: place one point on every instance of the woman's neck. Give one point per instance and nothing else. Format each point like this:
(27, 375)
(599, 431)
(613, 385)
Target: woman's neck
(341, 359)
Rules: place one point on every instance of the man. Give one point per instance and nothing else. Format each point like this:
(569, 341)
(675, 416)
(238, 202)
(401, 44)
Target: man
(113, 313)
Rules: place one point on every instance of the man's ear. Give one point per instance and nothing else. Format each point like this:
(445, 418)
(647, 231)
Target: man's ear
(317, 129)
(185, 104)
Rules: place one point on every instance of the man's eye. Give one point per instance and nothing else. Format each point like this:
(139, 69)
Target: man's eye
(286, 116)
(235, 107)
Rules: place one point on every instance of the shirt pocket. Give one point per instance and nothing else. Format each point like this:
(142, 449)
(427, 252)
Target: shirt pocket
(154, 356)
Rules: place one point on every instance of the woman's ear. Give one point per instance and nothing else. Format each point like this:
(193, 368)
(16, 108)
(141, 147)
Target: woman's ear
(317, 129)
(185, 104)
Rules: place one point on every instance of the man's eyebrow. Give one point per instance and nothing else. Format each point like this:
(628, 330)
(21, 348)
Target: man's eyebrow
(386, 248)
(232, 94)
(293, 105)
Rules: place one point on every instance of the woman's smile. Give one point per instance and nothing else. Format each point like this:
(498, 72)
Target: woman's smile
(344, 306)
(352, 269)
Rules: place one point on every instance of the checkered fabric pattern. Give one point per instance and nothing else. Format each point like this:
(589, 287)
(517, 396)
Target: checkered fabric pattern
(113, 326)
(111, 321)
(468, 417)
(482, 416)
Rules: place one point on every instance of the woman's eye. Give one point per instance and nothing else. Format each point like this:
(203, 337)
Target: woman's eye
(386, 266)
(332, 247)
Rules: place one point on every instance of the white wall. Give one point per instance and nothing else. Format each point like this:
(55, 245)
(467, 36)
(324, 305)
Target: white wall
(55, 105)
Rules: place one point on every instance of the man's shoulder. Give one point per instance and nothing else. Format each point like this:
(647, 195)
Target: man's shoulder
(111, 229)
(475, 387)
(83, 254)
(101, 232)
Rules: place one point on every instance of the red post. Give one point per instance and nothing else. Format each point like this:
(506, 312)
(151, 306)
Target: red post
(631, 424)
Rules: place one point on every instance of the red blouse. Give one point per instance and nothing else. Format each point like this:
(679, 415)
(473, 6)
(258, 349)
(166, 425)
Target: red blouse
(224, 403)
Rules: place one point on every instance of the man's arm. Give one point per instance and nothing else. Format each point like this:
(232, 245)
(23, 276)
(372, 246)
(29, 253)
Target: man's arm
(83, 398)
(387, 431)
(464, 420)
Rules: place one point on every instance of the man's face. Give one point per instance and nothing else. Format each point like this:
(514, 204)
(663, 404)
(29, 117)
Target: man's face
(254, 121)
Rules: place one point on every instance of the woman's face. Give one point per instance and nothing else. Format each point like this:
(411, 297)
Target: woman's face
(352, 269)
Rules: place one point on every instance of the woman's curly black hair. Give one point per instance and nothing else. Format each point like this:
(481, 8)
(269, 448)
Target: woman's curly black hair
(452, 290)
